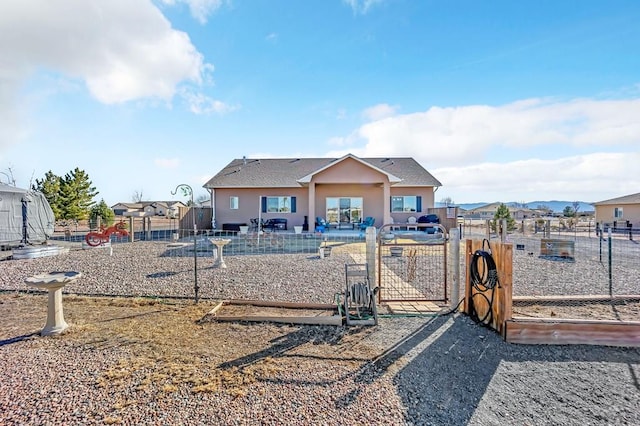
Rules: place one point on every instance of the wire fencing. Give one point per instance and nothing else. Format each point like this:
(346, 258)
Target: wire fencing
(572, 274)
(566, 273)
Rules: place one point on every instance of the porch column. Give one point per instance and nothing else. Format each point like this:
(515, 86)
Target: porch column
(312, 206)
(212, 202)
(386, 196)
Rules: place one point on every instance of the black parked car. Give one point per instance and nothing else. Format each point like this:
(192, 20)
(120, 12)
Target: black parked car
(429, 218)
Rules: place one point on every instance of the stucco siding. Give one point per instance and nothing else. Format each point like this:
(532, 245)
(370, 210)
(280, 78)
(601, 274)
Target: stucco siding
(249, 205)
(350, 171)
(630, 212)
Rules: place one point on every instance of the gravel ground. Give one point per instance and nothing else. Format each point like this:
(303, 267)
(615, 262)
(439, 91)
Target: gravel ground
(152, 362)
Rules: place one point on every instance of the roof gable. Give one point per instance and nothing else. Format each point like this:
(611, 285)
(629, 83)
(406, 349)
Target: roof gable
(306, 179)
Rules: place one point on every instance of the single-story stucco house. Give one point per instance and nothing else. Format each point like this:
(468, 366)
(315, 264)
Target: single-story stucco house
(619, 212)
(151, 208)
(343, 191)
(488, 211)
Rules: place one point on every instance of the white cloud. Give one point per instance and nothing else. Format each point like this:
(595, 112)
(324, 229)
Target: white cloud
(167, 163)
(272, 37)
(378, 112)
(531, 149)
(465, 135)
(121, 50)
(362, 6)
(590, 178)
(201, 104)
(199, 9)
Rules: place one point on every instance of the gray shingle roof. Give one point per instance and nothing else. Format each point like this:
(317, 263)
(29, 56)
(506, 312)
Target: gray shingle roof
(285, 172)
(626, 199)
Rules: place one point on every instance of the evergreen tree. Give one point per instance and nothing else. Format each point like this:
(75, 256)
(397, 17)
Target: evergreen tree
(104, 212)
(50, 188)
(76, 195)
(503, 213)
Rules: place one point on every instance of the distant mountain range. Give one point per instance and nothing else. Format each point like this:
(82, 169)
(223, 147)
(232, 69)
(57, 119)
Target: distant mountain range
(554, 205)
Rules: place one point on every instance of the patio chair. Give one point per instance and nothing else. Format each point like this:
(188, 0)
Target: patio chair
(321, 224)
(412, 223)
(368, 221)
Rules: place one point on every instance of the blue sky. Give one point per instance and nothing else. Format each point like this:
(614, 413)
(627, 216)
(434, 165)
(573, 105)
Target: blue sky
(499, 100)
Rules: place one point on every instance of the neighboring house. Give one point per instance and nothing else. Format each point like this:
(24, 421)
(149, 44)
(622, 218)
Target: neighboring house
(488, 211)
(173, 208)
(619, 212)
(342, 190)
(150, 208)
(122, 208)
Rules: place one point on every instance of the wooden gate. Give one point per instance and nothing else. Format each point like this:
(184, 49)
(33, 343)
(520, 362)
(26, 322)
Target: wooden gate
(412, 263)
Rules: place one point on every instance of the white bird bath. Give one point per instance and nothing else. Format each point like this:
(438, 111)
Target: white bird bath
(53, 283)
(219, 243)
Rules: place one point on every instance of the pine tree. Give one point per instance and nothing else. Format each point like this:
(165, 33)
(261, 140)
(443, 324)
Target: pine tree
(76, 195)
(503, 213)
(103, 211)
(50, 188)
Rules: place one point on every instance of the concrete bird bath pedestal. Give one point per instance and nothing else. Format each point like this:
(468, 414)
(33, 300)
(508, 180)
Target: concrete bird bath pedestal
(219, 243)
(53, 283)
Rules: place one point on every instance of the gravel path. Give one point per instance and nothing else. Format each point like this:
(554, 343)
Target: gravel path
(406, 371)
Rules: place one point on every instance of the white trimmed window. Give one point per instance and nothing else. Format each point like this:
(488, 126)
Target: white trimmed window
(234, 202)
(617, 212)
(280, 204)
(406, 204)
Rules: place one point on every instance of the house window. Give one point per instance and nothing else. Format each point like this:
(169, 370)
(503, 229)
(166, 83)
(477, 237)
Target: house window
(406, 204)
(282, 204)
(617, 212)
(344, 209)
(233, 203)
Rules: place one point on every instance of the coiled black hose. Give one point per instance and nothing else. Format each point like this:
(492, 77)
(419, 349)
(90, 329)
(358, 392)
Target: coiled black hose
(484, 282)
